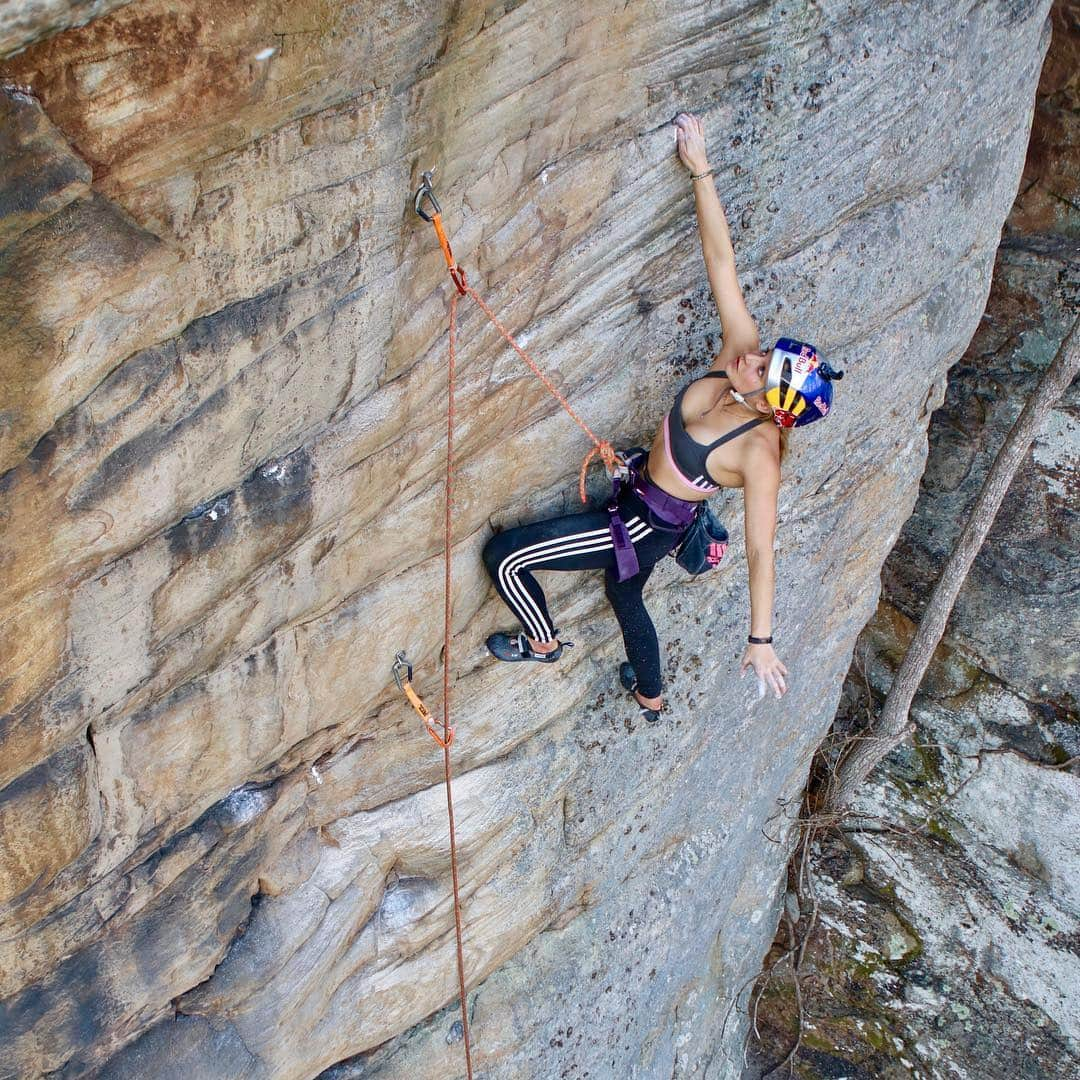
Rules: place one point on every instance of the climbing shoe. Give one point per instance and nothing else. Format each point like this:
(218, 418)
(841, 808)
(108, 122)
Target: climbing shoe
(513, 647)
(629, 682)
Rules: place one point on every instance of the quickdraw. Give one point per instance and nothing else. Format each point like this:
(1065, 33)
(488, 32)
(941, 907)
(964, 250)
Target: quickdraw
(424, 191)
(403, 672)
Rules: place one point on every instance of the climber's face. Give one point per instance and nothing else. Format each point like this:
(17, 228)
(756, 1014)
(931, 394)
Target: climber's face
(748, 373)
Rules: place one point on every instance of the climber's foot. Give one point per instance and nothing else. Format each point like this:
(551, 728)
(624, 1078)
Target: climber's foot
(513, 647)
(651, 708)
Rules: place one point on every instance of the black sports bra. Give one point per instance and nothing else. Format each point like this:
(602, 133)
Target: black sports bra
(685, 454)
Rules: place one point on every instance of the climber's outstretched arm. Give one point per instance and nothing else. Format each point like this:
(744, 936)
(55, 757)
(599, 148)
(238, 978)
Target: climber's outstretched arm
(761, 487)
(736, 323)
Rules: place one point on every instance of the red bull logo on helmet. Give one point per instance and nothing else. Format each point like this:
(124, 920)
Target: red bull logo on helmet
(797, 379)
(806, 361)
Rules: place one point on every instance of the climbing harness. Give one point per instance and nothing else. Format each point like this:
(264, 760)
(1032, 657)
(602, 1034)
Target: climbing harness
(402, 669)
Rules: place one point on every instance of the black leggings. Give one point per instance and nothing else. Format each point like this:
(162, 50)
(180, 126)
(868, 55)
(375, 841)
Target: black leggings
(583, 542)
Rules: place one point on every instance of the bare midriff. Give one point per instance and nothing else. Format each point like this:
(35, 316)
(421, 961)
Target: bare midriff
(664, 476)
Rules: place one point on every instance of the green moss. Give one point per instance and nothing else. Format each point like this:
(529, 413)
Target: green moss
(818, 1042)
(1057, 753)
(935, 828)
(930, 766)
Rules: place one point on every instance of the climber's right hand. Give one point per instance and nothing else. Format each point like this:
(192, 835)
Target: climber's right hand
(690, 142)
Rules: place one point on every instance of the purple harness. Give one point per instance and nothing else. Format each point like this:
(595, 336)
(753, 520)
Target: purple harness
(678, 513)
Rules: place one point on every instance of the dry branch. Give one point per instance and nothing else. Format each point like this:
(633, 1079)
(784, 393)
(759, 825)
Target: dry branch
(892, 724)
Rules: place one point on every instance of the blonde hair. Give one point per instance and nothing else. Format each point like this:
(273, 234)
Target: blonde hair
(784, 434)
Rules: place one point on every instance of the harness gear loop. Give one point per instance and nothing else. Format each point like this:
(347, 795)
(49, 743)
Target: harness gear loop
(402, 672)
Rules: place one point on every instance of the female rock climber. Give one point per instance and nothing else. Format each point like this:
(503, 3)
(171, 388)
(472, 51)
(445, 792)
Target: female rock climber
(725, 429)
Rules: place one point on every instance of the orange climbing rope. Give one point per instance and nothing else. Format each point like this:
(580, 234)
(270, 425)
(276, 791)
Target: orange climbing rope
(402, 669)
(601, 447)
(448, 731)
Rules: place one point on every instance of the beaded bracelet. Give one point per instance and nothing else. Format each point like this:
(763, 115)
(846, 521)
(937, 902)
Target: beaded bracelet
(701, 176)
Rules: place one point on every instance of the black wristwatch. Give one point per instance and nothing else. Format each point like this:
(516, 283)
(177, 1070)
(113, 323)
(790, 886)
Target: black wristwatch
(759, 640)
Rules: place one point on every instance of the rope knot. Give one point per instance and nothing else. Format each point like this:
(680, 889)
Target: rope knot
(607, 454)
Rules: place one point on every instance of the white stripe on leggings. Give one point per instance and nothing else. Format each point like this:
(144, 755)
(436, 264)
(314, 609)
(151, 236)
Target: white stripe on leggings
(523, 603)
(535, 554)
(524, 606)
(540, 552)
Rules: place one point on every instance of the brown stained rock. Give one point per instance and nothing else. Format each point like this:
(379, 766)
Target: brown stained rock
(22, 22)
(32, 644)
(1047, 201)
(47, 817)
(72, 296)
(39, 174)
(173, 83)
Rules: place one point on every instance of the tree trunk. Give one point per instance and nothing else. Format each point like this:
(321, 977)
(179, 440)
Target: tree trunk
(892, 725)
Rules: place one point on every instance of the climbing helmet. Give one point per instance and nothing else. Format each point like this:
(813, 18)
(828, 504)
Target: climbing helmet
(799, 384)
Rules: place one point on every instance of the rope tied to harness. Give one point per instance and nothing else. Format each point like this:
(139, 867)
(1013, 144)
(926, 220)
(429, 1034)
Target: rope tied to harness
(601, 447)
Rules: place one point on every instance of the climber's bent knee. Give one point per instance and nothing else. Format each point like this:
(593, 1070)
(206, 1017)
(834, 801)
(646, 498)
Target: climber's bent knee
(495, 550)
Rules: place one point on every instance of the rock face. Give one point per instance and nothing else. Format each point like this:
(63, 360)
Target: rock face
(952, 936)
(224, 846)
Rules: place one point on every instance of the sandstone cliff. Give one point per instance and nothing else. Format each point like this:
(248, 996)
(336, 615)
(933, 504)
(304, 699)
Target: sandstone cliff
(223, 841)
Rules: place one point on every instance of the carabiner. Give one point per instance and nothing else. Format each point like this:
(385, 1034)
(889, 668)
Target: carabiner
(402, 670)
(424, 192)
